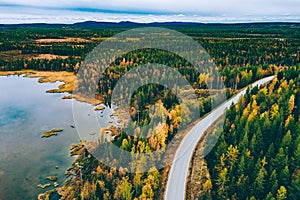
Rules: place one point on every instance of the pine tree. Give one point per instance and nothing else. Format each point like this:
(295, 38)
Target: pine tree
(271, 151)
(243, 186)
(99, 192)
(296, 157)
(284, 176)
(273, 182)
(287, 141)
(269, 196)
(259, 183)
(294, 189)
(280, 160)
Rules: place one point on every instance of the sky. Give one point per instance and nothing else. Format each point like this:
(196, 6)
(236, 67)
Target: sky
(208, 11)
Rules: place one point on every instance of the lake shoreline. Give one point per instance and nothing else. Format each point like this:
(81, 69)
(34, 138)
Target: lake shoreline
(68, 80)
(24, 119)
(67, 84)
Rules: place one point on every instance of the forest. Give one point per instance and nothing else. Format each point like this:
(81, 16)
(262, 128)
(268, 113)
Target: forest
(256, 157)
(259, 144)
(258, 153)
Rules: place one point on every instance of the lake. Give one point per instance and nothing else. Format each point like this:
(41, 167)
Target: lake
(26, 112)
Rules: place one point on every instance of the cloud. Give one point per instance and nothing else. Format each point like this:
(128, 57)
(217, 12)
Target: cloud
(173, 6)
(149, 10)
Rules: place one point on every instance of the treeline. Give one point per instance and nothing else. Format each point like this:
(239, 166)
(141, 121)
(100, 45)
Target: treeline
(258, 153)
(239, 77)
(70, 64)
(255, 51)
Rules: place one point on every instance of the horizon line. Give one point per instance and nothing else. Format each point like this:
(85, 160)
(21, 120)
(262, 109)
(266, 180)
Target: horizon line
(156, 22)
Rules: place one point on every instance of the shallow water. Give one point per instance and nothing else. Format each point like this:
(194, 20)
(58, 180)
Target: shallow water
(26, 159)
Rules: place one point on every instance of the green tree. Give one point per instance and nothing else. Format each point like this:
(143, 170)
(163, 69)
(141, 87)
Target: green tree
(285, 176)
(294, 189)
(259, 183)
(269, 196)
(287, 140)
(296, 157)
(273, 182)
(280, 160)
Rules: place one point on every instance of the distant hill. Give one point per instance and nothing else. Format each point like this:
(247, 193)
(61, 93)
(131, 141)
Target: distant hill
(94, 24)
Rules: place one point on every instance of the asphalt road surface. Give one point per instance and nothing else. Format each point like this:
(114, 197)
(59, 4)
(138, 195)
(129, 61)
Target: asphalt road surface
(177, 179)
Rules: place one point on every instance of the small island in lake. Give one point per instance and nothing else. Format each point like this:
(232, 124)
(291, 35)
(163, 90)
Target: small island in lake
(52, 132)
(100, 108)
(52, 178)
(44, 186)
(92, 133)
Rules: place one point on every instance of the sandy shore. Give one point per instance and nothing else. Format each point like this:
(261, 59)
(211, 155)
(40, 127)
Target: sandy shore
(68, 78)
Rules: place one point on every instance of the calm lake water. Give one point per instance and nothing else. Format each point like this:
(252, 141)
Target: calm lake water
(26, 112)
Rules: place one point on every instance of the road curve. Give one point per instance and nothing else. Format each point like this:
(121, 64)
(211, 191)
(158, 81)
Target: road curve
(177, 180)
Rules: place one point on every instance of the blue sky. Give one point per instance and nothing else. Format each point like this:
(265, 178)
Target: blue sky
(67, 11)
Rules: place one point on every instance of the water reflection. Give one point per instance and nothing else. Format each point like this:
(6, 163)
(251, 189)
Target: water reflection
(26, 159)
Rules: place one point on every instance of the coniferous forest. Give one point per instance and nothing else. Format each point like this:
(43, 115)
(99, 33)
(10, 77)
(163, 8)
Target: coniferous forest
(257, 155)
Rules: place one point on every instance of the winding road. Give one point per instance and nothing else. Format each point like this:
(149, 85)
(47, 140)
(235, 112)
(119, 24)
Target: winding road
(177, 180)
